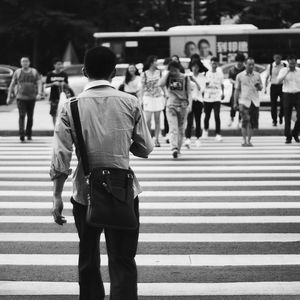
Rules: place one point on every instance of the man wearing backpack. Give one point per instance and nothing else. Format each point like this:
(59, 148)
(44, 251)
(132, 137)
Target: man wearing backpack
(29, 89)
(276, 89)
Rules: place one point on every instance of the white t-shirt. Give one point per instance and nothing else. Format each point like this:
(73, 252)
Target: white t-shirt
(213, 86)
(291, 83)
(133, 86)
(197, 95)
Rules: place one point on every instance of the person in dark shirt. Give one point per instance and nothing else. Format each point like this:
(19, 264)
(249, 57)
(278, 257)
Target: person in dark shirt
(58, 81)
(233, 72)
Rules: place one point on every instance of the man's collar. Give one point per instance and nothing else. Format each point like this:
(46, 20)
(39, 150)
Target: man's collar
(97, 83)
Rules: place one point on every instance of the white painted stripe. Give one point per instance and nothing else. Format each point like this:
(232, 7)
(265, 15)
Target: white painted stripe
(168, 205)
(158, 260)
(166, 289)
(199, 162)
(163, 194)
(169, 175)
(194, 184)
(172, 168)
(169, 219)
(162, 237)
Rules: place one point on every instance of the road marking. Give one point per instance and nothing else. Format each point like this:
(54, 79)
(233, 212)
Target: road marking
(170, 168)
(169, 219)
(167, 205)
(194, 184)
(169, 175)
(167, 163)
(162, 237)
(163, 194)
(31, 288)
(158, 260)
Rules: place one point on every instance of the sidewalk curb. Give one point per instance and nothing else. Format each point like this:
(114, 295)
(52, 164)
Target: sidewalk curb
(225, 132)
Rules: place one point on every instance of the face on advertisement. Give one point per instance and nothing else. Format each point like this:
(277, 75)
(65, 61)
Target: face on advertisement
(190, 49)
(204, 48)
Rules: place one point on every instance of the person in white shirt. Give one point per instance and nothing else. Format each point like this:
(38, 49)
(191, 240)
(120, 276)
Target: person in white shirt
(275, 89)
(197, 87)
(132, 83)
(213, 95)
(290, 79)
(248, 84)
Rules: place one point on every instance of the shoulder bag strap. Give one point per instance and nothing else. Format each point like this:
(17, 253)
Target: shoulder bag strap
(78, 131)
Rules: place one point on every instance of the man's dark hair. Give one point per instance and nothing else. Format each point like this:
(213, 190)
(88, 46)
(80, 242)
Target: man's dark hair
(214, 59)
(292, 57)
(250, 58)
(203, 41)
(240, 57)
(167, 60)
(99, 62)
(174, 64)
(25, 56)
(55, 60)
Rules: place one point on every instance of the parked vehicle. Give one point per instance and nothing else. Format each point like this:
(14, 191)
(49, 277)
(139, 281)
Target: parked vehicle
(6, 74)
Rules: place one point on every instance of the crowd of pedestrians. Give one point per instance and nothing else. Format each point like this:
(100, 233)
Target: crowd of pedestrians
(180, 95)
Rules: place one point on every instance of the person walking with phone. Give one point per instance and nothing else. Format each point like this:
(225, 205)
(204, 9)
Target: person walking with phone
(246, 98)
(275, 89)
(290, 78)
(112, 125)
(28, 84)
(178, 104)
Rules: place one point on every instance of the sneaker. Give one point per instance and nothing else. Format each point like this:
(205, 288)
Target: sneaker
(22, 138)
(219, 138)
(205, 134)
(288, 141)
(29, 138)
(167, 139)
(157, 144)
(250, 144)
(280, 121)
(296, 138)
(274, 124)
(198, 143)
(175, 153)
(187, 143)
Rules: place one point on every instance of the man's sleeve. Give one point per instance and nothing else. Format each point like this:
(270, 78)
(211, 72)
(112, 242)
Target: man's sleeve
(62, 146)
(142, 144)
(48, 80)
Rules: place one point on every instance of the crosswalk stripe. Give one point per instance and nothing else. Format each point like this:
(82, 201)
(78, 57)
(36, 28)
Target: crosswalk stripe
(193, 184)
(163, 194)
(167, 176)
(173, 168)
(162, 237)
(166, 289)
(158, 260)
(170, 219)
(167, 205)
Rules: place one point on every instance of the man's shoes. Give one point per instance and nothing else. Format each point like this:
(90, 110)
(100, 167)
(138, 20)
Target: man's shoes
(219, 138)
(29, 138)
(296, 138)
(175, 153)
(274, 124)
(198, 143)
(22, 138)
(280, 121)
(187, 143)
(205, 134)
(288, 141)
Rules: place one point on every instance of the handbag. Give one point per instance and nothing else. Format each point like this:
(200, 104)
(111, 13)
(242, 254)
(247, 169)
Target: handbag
(110, 190)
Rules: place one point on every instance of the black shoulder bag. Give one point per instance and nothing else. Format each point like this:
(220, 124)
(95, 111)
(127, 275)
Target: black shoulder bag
(110, 190)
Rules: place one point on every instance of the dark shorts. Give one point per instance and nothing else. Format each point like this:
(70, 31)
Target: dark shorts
(249, 115)
(53, 107)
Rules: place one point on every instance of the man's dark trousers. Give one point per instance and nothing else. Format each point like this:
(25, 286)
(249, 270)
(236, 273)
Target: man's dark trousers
(275, 93)
(290, 101)
(26, 107)
(121, 249)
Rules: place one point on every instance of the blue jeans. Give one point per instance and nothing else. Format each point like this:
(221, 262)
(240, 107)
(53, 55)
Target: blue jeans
(177, 116)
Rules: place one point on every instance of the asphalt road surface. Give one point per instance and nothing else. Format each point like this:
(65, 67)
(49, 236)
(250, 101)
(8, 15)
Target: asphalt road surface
(220, 222)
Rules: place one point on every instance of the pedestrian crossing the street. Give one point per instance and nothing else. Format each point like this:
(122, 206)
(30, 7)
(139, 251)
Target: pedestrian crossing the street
(220, 222)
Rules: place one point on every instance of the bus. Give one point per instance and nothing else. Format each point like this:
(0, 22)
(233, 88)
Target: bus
(223, 41)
